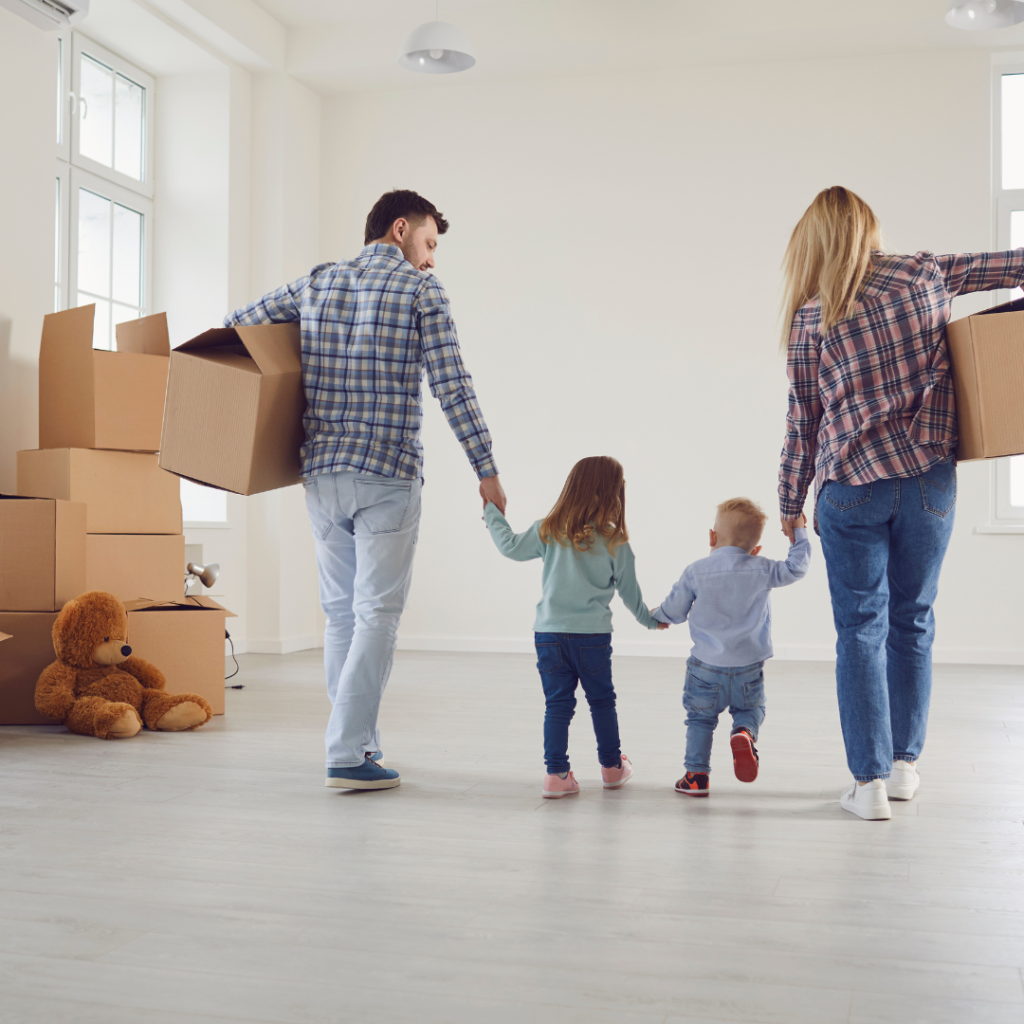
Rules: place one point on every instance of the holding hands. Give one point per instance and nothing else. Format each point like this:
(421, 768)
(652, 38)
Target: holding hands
(789, 525)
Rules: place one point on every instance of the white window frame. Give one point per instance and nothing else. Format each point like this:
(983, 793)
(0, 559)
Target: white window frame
(61, 256)
(124, 196)
(83, 45)
(64, 95)
(1003, 517)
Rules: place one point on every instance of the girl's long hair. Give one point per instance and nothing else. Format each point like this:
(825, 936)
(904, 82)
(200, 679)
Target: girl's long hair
(829, 257)
(592, 502)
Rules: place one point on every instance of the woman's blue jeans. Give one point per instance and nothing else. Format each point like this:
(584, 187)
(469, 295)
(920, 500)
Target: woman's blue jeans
(883, 544)
(563, 659)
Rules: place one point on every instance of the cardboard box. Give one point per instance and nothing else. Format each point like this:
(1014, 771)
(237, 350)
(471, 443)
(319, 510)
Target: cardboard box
(185, 640)
(987, 353)
(26, 651)
(132, 566)
(42, 553)
(126, 492)
(94, 399)
(233, 416)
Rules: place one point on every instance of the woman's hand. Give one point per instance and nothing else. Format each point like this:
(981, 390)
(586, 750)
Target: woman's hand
(789, 525)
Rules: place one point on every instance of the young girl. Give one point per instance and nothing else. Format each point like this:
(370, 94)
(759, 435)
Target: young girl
(587, 558)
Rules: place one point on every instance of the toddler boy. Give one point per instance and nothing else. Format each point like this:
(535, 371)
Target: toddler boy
(726, 598)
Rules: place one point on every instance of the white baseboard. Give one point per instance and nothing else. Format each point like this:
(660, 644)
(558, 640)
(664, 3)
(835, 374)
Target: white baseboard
(654, 649)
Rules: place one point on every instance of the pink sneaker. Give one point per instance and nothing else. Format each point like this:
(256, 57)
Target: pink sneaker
(554, 787)
(615, 777)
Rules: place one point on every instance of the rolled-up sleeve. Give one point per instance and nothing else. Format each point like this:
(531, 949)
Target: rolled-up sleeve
(450, 382)
(803, 419)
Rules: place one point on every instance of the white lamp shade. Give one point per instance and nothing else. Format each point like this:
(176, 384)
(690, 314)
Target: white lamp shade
(984, 15)
(437, 48)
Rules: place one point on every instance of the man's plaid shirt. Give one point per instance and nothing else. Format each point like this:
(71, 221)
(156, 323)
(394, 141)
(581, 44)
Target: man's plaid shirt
(872, 399)
(370, 326)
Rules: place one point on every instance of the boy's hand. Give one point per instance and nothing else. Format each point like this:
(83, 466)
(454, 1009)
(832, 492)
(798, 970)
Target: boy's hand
(789, 525)
(662, 625)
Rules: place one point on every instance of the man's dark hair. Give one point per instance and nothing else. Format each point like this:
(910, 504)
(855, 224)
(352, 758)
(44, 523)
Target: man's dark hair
(400, 202)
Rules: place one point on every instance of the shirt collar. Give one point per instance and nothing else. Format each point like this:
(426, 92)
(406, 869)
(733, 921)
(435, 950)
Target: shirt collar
(382, 249)
(729, 547)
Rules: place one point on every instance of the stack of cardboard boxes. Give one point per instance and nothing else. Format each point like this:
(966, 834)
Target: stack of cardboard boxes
(94, 511)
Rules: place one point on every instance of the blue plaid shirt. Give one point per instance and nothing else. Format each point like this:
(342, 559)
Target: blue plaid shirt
(370, 326)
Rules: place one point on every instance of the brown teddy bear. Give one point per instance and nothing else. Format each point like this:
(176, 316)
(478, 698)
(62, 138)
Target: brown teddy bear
(97, 687)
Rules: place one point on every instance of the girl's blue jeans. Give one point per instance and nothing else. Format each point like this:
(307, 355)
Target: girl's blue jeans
(563, 660)
(708, 691)
(883, 544)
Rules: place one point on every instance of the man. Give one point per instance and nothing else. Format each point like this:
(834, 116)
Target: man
(370, 326)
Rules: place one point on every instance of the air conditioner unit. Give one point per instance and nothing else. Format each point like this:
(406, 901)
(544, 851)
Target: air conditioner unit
(49, 13)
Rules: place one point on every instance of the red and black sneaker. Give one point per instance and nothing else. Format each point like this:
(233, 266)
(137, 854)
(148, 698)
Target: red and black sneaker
(744, 756)
(694, 784)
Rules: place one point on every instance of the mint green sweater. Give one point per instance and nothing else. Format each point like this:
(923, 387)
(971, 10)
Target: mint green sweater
(576, 586)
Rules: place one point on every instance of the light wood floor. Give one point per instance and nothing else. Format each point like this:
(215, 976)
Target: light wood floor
(211, 877)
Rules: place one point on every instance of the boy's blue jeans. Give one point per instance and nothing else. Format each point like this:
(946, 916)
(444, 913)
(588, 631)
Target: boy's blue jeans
(563, 660)
(883, 544)
(707, 692)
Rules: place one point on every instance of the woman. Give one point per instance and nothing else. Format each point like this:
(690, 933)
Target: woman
(872, 422)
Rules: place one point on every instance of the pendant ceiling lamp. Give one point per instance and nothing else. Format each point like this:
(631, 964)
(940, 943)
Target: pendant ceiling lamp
(982, 15)
(437, 48)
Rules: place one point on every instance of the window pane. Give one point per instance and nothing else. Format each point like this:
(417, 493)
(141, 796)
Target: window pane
(60, 89)
(93, 243)
(129, 127)
(127, 256)
(56, 254)
(101, 325)
(1013, 131)
(1017, 481)
(96, 114)
(203, 504)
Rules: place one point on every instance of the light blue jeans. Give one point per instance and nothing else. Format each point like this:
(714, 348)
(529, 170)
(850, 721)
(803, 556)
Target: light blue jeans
(883, 544)
(707, 692)
(365, 528)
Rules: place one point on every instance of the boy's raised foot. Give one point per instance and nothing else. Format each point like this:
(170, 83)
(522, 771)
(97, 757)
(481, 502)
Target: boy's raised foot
(364, 776)
(615, 777)
(744, 755)
(694, 784)
(868, 801)
(555, 786)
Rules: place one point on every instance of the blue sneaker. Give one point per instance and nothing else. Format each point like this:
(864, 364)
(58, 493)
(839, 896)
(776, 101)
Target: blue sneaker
(376, 756)
(364, 776)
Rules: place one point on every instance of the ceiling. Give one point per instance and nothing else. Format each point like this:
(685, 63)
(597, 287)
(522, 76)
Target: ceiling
(353, 45)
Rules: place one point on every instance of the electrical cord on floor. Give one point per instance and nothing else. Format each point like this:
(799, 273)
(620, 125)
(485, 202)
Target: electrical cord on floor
(238, 668)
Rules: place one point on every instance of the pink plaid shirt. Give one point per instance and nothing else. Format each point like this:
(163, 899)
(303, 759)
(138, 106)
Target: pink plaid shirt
(872, 399)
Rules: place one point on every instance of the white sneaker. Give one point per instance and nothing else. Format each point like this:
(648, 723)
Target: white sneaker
(903, 783)
(868, 801)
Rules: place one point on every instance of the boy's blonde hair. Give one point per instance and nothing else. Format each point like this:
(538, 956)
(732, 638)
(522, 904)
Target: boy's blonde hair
(741, 521)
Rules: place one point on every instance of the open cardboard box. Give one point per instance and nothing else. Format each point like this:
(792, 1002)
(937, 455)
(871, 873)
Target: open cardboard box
(233, 415)
(26, 648)
(42, 553)
(89, 398)
(125, 492)
(133, 565)
(185, 640)
(987, 355)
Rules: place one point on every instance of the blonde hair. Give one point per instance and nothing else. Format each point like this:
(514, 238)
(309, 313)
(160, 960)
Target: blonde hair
(746, 521)
(593, 501)
(829, 257)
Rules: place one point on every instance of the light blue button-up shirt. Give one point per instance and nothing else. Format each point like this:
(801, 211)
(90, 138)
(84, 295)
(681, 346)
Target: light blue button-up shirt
(726, 598)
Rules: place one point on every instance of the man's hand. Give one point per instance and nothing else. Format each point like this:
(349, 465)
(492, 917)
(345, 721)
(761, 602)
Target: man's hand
(789, 525)
(491, 490)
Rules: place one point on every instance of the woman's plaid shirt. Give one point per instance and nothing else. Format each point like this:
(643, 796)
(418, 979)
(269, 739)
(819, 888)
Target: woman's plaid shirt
(872, 399)
(370, 326)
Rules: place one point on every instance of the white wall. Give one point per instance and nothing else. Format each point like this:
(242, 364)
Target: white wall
(28, 61)
(613, 267)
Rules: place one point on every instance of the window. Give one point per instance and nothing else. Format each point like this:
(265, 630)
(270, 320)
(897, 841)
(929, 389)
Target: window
(104, 185)
(203, 506)
(1008, 190)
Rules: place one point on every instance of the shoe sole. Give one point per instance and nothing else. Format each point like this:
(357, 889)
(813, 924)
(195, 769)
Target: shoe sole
(744, 763)
(693, 792)
(558, 796)
(884, 815)
(362, 784)
(619, 784)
